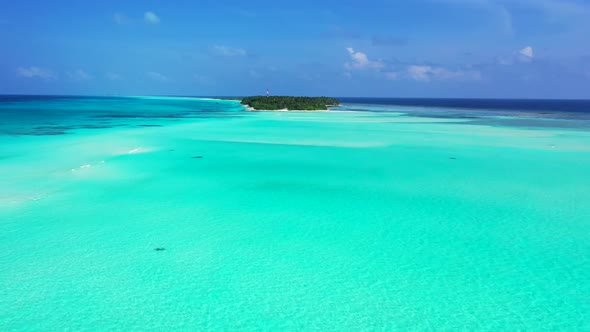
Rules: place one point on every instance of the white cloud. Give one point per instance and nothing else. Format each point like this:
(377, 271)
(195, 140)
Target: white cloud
(79, 75)
(564, 10)
(361, 61)
(504, 17)
(504, 61)
(157, 76)
(423, 73)
(114, 76)
(120, 18)
(228, 51)
(556, 7)
(419, 73)
(524, 55)
(527, 54)
(495, 8)
(35, 72)
(151, 18)
(429, 73)
(392, 75)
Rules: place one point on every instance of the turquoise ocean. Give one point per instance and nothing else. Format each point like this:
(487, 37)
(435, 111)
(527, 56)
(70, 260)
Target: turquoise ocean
(368, 217)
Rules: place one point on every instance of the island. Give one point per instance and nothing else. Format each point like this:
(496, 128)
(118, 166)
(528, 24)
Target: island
(275, 103)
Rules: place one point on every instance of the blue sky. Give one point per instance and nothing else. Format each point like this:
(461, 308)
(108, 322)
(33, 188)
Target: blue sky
(418, 48)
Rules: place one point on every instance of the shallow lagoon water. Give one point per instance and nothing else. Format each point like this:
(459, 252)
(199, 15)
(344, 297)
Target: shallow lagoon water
(291, 221)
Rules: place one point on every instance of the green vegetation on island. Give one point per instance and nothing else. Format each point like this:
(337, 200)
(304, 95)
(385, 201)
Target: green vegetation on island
(273, 103)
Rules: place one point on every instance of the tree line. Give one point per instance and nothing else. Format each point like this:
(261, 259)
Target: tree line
(288, 102)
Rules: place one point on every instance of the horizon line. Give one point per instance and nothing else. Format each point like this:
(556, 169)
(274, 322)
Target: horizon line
(281, 95)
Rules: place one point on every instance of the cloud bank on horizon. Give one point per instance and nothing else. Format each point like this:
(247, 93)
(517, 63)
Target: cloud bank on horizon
(421, 48)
